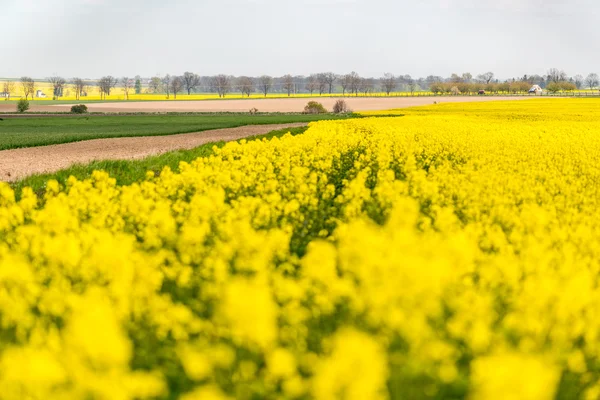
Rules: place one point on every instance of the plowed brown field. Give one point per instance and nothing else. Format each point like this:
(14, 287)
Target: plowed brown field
(263, 105)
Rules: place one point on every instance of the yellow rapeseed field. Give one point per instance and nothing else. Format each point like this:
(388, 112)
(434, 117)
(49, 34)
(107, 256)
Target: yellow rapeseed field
(448, 253)
(117, 94)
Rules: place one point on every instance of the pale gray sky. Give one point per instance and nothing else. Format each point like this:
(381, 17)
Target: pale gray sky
(90, 38)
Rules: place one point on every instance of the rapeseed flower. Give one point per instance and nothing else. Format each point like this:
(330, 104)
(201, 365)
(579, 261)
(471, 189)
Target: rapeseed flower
(448, 253)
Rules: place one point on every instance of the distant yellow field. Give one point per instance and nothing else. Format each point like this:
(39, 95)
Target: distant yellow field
(118, 94)
(534, 109)
(93, 94)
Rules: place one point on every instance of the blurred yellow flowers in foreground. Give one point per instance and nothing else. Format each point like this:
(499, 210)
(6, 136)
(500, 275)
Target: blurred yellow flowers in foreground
(452, 252)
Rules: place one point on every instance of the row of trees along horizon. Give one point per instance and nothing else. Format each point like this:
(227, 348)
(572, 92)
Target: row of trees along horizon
(322, 83)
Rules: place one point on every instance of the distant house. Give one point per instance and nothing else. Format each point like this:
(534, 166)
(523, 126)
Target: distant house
(4, 95)
(40, 94)
(536, 89)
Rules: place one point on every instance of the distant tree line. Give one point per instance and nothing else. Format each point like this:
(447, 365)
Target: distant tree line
(555, 80)
(322, 83)
(353, 84)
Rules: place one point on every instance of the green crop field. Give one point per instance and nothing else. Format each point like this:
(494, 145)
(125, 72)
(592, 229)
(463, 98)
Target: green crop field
(42, 131)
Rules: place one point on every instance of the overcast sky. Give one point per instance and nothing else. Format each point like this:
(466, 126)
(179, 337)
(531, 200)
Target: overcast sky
(91, 38)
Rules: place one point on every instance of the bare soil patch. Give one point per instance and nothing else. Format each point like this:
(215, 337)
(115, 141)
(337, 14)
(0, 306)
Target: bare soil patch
(263, 105)
(19, 163)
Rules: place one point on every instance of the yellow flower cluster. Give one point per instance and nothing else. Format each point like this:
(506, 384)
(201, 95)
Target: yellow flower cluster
(436, 255)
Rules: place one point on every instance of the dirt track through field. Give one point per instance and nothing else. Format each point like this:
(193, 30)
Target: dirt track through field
(263, 105)
(19, 163)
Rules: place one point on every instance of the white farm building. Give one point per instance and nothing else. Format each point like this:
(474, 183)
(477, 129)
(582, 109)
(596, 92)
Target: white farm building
(536, 89)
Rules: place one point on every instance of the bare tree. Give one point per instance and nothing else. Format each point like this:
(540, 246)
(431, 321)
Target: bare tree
(355, 81)
(106, 84)
(101, 89)
(345, 82)
(467, 77)
(58, 84)
(166, 84)
(28, 85)
(176, 85)
(311, 83)
(265, 82)
(329, 78)
(555, 75)
(8, 87)
(366, 85)
(221, 84)
(388, 83)
(78, 87)
(246, 85)
(454, 78)
(486, 78)
(321, 83)
(288, 84)
(190, 81)
(154, 84)
(111, 82)
(526, 78)
(578, 81)
(433, 80)
(592, 80)
(410, 83)
(535, 79)
(127, 85)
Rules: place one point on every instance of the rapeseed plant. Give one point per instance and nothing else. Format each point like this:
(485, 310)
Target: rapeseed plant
(442, 254)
